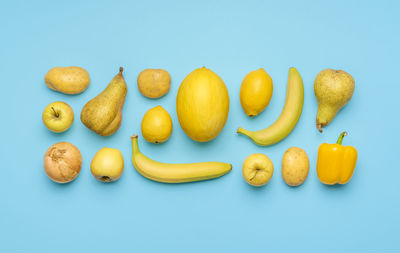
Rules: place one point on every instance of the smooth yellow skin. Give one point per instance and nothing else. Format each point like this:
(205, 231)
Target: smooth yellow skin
(295, 166)
(336, 163)
(257, 169)
(177, 172)
(202, 105)
(156, 125)
(333, 90)
(107, 165)
(256, 92)
(154, 83)
(103, 114)
(288, 118)
(58, 116)
(68, 80)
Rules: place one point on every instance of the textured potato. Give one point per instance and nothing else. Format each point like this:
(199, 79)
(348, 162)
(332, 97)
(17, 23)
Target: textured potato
(295, 166)
(154, 83)
(68, 80)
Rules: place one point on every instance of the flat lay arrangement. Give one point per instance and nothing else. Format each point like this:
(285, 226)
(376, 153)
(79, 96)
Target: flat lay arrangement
(199, 126)
(202, 107)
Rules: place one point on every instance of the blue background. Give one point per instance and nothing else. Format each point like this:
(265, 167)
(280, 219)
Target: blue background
(224, 215)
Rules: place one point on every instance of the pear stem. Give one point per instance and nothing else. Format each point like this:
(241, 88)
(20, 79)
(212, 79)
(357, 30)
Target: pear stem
(340, 139)
(56, 113)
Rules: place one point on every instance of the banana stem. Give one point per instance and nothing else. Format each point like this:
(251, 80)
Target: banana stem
(135, 147)
(340, 139)
(242, 131)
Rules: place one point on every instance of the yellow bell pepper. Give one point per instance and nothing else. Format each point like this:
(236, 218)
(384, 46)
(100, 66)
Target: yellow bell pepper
(336, 163)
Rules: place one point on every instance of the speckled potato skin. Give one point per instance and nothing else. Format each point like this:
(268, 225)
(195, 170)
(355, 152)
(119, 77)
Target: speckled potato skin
(154, 83)
(68, 80)
(295, 166)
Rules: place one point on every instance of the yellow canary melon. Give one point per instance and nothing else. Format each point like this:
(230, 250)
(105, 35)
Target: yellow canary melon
(202, 105)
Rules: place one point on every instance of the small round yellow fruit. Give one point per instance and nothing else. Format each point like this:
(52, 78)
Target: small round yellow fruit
(257, 169)
(58, 116)
(256, 92)
(68, 80)
(156, 125)
(107, 165)
(154, 83)
(295, 166)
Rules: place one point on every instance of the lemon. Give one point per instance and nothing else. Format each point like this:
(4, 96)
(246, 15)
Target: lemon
(256, 92)
(156, 125)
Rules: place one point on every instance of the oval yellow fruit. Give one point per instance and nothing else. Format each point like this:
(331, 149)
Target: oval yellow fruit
(156, 125)
(107, 165)
(256, 92)
(295, 166)
(68, 80)
(202, 105)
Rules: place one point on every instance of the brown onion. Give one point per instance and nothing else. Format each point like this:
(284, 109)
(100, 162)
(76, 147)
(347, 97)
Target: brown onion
(62, 162)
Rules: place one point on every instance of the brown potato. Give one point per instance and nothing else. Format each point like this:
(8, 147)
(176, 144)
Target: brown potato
(295, 166)
(68, 80)
(154, 83)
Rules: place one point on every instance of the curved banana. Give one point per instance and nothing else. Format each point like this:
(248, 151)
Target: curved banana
(175, 173)
(289, 116)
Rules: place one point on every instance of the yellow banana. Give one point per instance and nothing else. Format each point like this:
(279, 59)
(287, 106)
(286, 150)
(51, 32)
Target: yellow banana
(289, 116)
(175, 173)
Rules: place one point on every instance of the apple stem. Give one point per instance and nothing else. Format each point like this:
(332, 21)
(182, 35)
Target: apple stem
(57, 115)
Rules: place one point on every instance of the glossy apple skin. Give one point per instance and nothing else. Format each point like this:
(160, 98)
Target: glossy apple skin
(257, 169)
(107, 165)
(58, 116)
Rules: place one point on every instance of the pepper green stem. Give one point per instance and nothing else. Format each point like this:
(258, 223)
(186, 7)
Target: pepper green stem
(340, 139)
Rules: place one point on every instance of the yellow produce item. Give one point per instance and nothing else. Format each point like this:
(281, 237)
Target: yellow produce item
(257, 169)
(156, 125)
(175, 173)
(68, 80)
(107, 165)
(336, 163)
(289, 116)
(256, 92)
(333, 90)
(103, 113)
(202, 105)
(295, 166)
(154, 83)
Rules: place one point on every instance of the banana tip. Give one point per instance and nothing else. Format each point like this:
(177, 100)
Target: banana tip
(134, 136)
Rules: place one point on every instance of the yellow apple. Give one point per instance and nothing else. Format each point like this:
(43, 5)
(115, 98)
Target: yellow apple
(58, 116)
(257, 169)
(107, 165)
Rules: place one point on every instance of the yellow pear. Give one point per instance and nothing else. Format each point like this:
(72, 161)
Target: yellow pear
(256, 92)
(156, 125)
(202, 104)
(333, 89)
(103, 114)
